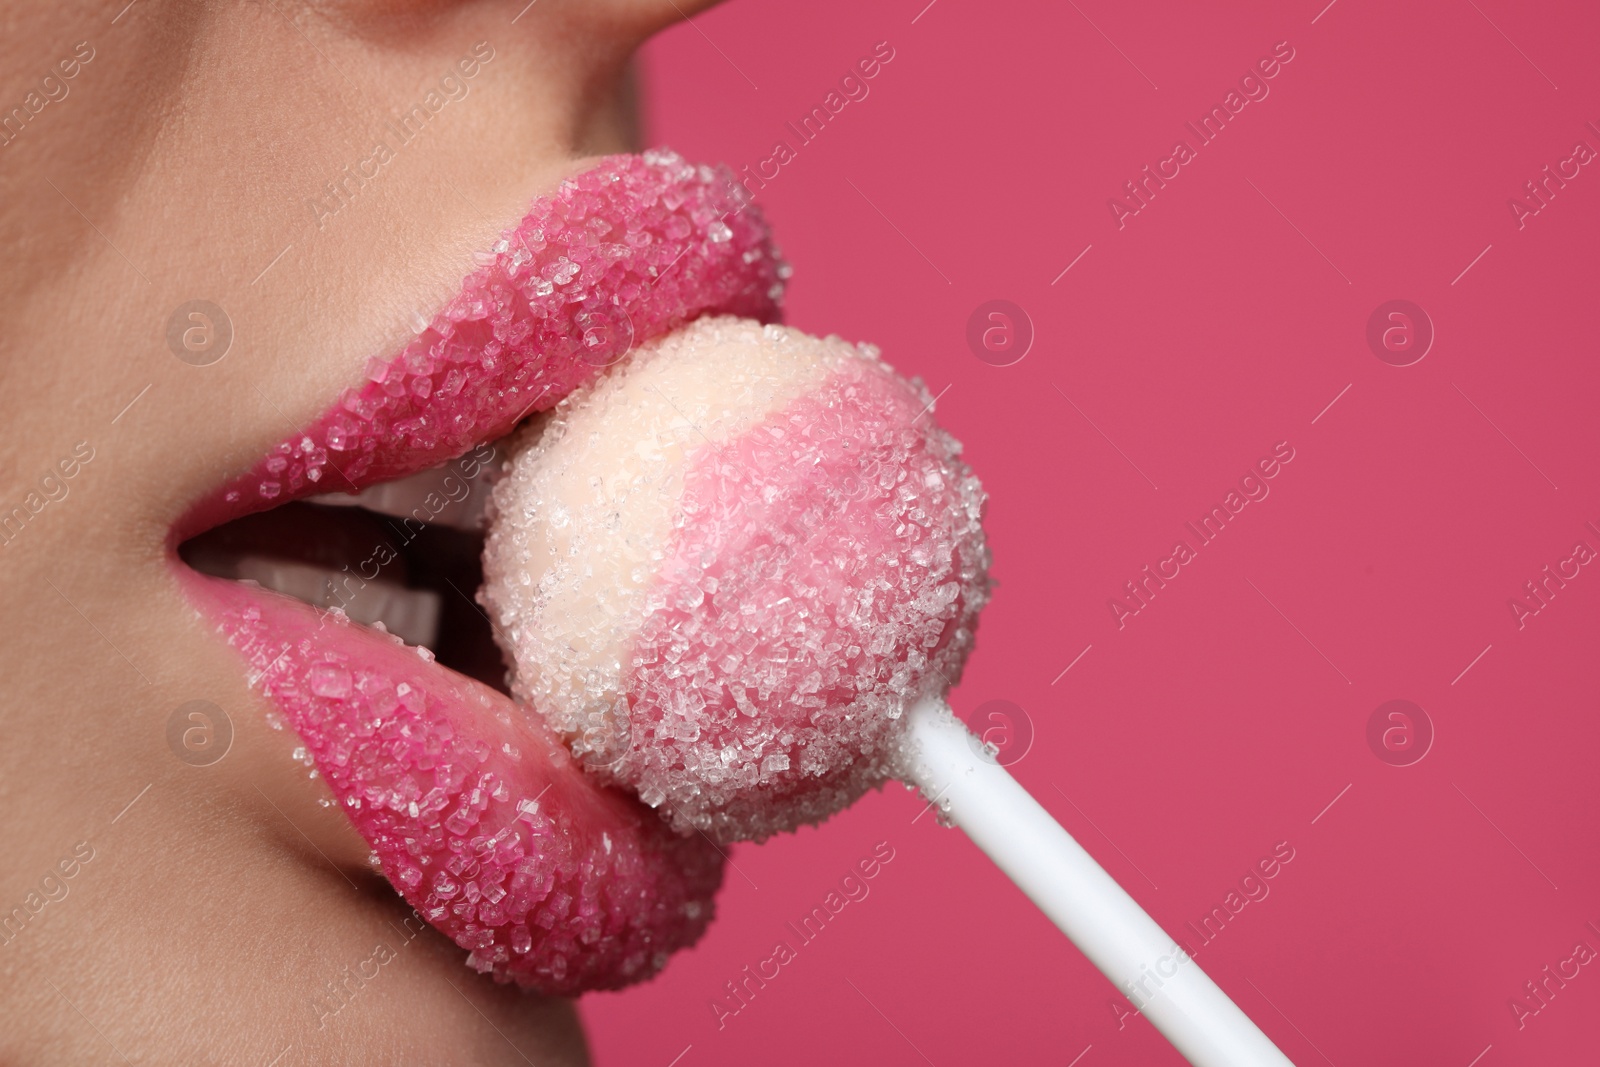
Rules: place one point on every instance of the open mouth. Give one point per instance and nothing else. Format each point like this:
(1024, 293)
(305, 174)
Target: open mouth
(401, 557)
(344, 564)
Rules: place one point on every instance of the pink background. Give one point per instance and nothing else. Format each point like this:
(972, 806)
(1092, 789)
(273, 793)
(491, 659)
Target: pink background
(1228, 713)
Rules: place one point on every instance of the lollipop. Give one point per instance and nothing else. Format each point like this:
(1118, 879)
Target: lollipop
(739, 572)
(726, 571)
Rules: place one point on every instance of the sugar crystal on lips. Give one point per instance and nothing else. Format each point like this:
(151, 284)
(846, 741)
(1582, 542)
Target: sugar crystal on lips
(627, 250)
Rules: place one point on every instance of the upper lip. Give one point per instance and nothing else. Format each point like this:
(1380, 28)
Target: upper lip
(560, 296)
(634, 247)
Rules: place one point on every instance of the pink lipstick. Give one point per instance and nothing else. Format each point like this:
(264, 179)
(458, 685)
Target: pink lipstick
(625, 251)
(478, 817)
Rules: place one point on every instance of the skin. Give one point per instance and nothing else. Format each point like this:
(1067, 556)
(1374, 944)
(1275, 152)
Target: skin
(227, 897)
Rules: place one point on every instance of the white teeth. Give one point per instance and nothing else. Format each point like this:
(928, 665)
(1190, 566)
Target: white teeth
(410, 614)
(453, 495)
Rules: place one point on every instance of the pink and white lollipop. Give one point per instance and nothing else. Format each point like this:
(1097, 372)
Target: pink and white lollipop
(738, 573)
(726, 570)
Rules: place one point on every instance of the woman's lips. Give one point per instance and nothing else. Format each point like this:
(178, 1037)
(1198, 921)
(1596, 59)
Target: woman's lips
(475, 811)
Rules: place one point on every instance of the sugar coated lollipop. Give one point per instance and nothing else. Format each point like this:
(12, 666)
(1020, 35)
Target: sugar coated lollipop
(738, 573)
(726, 569)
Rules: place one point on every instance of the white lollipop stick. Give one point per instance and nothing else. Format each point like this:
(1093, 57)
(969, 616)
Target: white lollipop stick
(1097, 914)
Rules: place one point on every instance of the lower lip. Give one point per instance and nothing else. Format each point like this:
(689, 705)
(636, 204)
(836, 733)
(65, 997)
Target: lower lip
(476, 813)
(478, 816)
